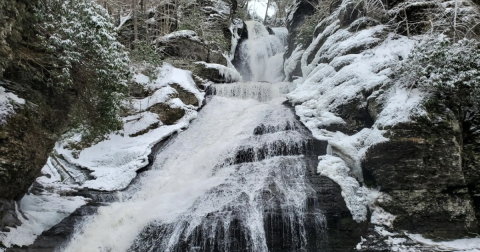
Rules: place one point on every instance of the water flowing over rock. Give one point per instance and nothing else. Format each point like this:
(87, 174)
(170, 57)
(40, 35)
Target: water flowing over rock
(241, 178)
(260, 57)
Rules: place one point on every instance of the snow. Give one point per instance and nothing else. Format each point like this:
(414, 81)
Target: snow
(339, 67)
(463, 245)
(140, 122)
(8, 102)
(113, 162)
(230, 74)
(401, 105)
(166, 75)
(123, 20)
(326, 87)
(380, 217)
(354, 195)
(141, 79)
(191, 35)
(42, 211)
(160, 96)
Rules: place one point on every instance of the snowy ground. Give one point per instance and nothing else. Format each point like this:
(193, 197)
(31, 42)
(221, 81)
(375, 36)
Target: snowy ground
(108, 165)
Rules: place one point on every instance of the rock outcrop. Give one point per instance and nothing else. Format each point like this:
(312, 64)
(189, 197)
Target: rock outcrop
(429, 165)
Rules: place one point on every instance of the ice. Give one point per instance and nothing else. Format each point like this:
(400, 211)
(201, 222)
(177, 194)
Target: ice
(42, 211)
(339, 67)
(260, 91)
(353, 194)
(291, 63)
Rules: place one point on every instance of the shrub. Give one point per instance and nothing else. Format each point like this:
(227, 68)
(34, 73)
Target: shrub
(448, 71)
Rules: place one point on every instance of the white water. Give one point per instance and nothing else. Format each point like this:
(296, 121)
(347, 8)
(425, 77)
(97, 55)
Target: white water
(261, 54)
(213, 175)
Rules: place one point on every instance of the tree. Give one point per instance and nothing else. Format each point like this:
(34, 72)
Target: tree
(85, 56)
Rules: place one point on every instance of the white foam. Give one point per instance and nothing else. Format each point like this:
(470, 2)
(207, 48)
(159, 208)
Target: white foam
(193, 178)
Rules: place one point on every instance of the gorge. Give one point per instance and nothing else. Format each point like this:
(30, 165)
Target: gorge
(326, 146)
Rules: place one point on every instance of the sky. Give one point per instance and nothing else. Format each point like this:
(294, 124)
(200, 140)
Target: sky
(258, 7)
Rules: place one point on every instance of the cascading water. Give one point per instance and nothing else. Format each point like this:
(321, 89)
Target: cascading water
(236, 180)
(260, 57)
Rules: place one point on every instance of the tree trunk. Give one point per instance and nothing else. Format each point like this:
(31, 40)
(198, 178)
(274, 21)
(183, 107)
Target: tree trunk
(135, 24)
(266, 13)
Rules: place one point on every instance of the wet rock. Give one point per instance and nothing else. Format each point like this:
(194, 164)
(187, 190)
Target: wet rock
(302, 9)
(215, 73)
(183, 44)
(186, 97)
(8, 215)
(167, 115)
(421, 168)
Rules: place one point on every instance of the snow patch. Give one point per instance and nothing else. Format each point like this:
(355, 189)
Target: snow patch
(401, 105)
(464, 245)
(113, 162)
(166, 75)
(8, 102)
(230, 74)
(140, 122)
(191, 35)
(354, 195)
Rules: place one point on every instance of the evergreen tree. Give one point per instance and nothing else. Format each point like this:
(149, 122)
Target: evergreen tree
(85, 56)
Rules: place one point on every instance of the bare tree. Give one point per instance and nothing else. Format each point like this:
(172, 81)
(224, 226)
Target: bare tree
(266, 13)
(135, 21)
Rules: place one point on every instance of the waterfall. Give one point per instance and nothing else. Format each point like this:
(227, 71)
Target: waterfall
(260, 57)
(236, 180)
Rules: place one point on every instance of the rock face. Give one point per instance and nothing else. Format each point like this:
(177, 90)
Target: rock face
(26, 140)
(183, 44)
(421, 168)
(300, 10)
(429, 166)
